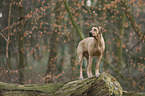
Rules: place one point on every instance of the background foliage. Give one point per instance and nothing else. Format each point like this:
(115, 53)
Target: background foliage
(38, 39)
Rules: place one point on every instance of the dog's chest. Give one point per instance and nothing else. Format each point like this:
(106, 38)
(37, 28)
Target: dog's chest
(98, 49)
(97, 52)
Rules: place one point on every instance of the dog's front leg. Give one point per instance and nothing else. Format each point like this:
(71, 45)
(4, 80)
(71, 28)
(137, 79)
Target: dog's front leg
(89, 68)
(97, 66)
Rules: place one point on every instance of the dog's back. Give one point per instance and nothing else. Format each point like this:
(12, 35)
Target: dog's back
(83, 45)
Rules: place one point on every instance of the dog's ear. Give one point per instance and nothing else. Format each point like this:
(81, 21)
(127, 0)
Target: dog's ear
(101, 30)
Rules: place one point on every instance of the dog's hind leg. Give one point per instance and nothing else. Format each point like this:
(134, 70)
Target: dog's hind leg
(81, 65)
(97, 66)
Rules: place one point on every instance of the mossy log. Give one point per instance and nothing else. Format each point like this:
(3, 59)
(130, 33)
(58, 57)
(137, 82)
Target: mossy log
(132, 93)
(104, 85)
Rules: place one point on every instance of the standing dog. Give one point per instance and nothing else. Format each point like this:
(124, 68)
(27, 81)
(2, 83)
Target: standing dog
(89, 47)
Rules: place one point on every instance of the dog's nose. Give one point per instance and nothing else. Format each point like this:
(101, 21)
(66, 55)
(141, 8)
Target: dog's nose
(90, 33)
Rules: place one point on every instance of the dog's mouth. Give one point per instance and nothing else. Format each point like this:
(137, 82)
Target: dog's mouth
(94, 35)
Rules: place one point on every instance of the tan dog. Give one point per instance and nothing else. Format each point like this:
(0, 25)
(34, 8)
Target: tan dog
(89, 47)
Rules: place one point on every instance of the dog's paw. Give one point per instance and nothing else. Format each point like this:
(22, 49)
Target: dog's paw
(97, 75)
(91, 76)
(80, 78)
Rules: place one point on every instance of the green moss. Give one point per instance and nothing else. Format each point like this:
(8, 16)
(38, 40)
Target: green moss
(113, 85)
(46, 88)
(7, 86)
(105, 84)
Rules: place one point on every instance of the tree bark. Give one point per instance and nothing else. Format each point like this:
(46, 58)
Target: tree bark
(21, 44)
(104, 85)
(120, 39)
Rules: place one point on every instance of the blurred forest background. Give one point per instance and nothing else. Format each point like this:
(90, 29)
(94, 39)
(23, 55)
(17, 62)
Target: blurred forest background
(38, 40)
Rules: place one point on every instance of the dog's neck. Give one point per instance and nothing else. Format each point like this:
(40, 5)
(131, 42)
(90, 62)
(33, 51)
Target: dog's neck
(98, 38)
(98, 42)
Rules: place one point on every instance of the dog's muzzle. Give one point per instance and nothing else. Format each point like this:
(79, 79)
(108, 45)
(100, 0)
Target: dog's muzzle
(90, 33)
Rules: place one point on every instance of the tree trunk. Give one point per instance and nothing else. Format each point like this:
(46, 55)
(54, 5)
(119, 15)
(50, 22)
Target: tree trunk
(8, 40)
(104, 85)
(120, 39)
(52, 60)
(21, 45)
(7, 45)
(50, 20)
(72, 51)
(61, 61)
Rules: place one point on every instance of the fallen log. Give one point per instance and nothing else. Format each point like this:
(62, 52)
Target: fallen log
(104, 85)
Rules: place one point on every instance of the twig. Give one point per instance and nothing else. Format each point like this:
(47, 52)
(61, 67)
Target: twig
(3, 36)
(52, 10)
(134, 26)
(131, 19)
(137, 43)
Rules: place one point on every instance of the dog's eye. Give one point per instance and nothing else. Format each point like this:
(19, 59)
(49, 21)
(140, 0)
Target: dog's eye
(95, 30)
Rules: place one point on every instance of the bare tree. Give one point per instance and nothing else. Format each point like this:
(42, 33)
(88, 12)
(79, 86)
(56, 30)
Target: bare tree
(21, 51)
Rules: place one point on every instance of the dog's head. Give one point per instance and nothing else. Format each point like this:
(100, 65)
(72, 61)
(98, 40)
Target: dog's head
(96, 32)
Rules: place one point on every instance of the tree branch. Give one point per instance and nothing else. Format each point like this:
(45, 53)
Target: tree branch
(131, 19)
(3, 36)
(137, 43)
(52, 10)
(72, 20)
(28, 17)
(134, 25)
